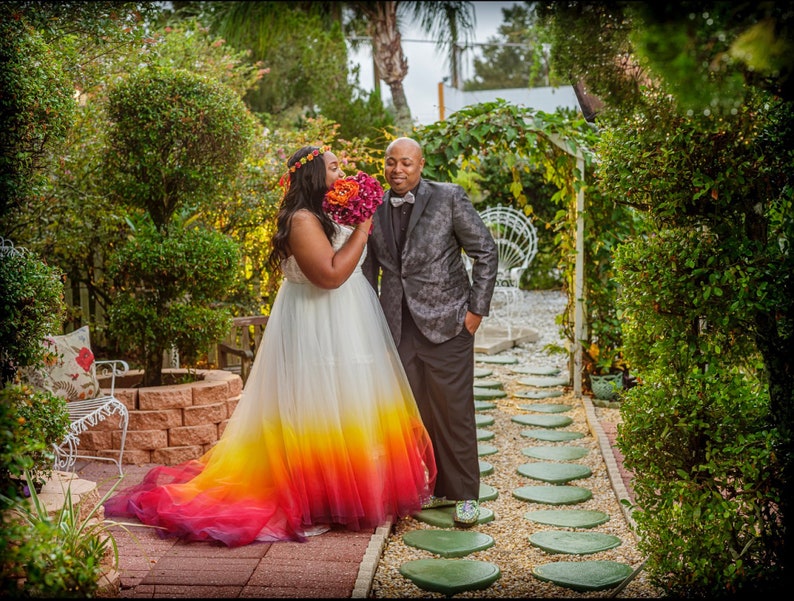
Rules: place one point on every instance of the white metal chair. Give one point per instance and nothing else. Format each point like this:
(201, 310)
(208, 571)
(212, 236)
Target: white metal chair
(517, 244)
(87, 413)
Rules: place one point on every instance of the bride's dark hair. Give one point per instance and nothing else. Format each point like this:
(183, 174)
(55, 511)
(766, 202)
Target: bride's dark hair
(305, 190)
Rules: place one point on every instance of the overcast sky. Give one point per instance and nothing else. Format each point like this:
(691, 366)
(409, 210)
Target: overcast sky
(426, 66)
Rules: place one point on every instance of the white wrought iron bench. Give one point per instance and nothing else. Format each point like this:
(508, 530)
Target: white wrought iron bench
(84, 414)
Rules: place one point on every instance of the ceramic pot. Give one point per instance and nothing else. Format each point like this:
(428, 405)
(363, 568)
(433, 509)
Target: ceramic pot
(605, 387)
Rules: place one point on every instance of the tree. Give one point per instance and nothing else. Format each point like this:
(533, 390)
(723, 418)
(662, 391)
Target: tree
(516, 58)
(176, 142)
(451, 23)
(696, 138)
(37, 105)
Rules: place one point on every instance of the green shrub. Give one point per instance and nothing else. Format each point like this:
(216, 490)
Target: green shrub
(37, 104)
(30, 423)
(167, 293)
(174, 147)
(54, 556)
(176, 140)
(705, 478)
(31, 298)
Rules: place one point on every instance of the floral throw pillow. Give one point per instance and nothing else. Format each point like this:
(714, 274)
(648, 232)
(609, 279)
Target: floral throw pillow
(69, 372)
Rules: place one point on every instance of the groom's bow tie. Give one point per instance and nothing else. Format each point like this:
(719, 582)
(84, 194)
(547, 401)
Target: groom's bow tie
(397, 201)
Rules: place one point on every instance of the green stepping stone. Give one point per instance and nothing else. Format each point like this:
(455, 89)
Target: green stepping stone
(546, 407)
(543, 381)
(487, 493)
(482, 372)
(483, 405)
(450, 576)
(538, 394)
(574, 543)
(448, 543)
(488, 393)
(551, 435)
(556, 453)
(486, 449)
(553, 495)
(483, 420)
(535, 370)
(584, 575)
(442, 517)
(496, 359)
(568, 518)
(488, 384)
(544, 421)
(554, 473)
(485, 468)
(484, 434)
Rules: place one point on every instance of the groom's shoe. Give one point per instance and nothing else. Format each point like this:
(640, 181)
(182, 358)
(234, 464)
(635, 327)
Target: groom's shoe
(467, 512)
(432, 502)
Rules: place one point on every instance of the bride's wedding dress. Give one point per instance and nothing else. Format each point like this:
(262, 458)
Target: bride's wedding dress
(326, 431)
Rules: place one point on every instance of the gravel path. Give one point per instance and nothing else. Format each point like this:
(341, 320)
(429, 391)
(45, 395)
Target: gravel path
(512, 551)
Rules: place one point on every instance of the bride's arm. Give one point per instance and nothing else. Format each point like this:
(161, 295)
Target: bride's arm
(324, 267)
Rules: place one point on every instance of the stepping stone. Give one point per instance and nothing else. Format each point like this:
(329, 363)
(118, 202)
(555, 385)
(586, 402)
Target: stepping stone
(551, 435)
(483, 405)
(448, 543)
(556, 453)
(544, 421)
(484, 434)
(485, 468)
(554, 473)
(496, 359)
(487, 493)
(584, 575)
(535, 371)
(543, 381)
(574, 543)
(488, 384)
(442, 517)
(488, 393)
(553, 495)
(483, 420)
(546, 407)
(482, 372)
(538, 394)
(568, 518)
(486, 449)
(450, 576)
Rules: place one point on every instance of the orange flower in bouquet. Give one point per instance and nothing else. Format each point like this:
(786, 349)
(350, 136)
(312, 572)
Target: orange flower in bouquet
(353, 199)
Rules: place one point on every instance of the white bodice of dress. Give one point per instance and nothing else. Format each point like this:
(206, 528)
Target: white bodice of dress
(292, 272)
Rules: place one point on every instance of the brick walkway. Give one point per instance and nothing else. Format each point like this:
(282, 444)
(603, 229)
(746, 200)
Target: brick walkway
(337, 564)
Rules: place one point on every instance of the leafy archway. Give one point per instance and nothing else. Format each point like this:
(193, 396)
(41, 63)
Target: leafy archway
(555, 145)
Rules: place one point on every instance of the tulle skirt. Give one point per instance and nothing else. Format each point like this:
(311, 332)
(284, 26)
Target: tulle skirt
(326, 432)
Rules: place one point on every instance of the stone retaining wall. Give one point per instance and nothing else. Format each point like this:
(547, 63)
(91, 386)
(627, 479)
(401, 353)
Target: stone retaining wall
(168, 424)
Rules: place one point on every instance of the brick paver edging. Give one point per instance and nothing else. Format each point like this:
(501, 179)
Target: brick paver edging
(615, 476)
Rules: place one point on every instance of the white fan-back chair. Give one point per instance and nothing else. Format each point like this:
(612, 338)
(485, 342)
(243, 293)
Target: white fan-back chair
(517, 244)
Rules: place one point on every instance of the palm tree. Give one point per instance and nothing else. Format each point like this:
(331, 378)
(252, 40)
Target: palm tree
(450, 23)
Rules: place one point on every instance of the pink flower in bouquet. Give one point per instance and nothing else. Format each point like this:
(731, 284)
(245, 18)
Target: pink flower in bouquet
(353, 199)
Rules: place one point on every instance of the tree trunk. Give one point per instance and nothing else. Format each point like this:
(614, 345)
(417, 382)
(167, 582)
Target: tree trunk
(391, 64)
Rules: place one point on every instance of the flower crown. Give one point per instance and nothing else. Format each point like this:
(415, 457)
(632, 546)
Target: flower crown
(301, 162)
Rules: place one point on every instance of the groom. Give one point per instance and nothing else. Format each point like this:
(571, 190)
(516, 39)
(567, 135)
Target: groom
(434, 309)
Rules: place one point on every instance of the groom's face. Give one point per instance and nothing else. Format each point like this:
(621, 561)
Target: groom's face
(404, 163)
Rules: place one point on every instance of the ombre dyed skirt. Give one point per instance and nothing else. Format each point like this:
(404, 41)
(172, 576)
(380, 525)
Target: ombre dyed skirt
(326, 432)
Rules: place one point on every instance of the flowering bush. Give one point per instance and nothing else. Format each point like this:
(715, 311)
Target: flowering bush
(353, 199)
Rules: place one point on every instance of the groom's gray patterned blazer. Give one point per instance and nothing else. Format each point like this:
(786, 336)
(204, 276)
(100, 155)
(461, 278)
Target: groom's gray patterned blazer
(432, 275)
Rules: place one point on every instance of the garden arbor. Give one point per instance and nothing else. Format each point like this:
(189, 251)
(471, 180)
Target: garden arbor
(523, 140)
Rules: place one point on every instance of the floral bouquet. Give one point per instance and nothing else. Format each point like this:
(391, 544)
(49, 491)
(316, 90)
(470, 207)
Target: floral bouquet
(353, 199)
